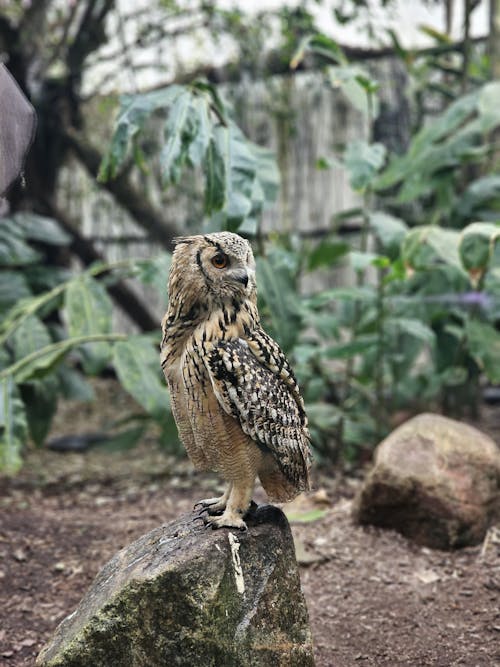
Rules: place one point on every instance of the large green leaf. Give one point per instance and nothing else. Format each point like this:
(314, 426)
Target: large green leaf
(30, 336)
(215, 179)
(363, 162)
(180, 129)
(137, 365)
(89, 309)
(426, 244)
(477, 245)
(13, 426)
(134, 111)
(40, 228)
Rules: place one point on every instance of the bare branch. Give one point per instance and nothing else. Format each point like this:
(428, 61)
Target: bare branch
(85, 250)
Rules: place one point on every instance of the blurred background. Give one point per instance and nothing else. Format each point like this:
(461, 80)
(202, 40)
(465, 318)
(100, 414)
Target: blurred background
(354, 142)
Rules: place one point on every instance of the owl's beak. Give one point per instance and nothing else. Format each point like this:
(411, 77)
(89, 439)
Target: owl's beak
(242, 277)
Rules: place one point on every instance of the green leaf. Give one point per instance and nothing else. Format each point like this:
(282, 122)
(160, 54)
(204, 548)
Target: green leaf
(42, 364)
(180, 129)
(89, 310)
(39, 228)
(13, 288)
(40, 399)
(360, 261)
(306, 517)
(73, 385)
(480, 199)
(389, 230)
(137, 365)
(363, 161)
(134, 111)
(30, 336)
(13, 250)
(489, 106)
(483, 341)
(477, 244)
(426, 244)
(327, 253)
(155, 272)
(357, 86)
(321, 45)
(215, 179)
(13, 426)
(201, 139)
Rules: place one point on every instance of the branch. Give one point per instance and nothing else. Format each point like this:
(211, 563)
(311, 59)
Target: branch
(233, 72)
(125, 298)
(125, 193)
(90, 34)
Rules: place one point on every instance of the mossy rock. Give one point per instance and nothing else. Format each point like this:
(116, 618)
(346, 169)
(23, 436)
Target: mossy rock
(185, 595)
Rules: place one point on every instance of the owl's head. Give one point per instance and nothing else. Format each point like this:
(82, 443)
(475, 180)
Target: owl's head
(217, 266)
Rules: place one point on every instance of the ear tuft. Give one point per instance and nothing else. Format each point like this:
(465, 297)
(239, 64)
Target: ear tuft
(182, 239)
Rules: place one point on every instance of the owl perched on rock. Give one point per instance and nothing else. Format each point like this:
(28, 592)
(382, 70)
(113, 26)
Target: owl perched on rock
(234, 396)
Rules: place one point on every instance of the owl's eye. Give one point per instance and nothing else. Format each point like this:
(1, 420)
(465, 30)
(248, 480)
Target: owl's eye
(220, 261)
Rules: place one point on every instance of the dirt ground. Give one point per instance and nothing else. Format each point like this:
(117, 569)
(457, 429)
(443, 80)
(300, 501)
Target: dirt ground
(374, 598)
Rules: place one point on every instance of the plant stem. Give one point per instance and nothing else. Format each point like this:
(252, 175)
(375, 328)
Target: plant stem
(380, 411)
(62, 346)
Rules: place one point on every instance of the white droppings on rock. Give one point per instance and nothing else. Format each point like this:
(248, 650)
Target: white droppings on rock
(234, 544)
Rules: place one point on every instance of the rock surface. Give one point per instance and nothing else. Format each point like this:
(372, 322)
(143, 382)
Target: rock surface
(185, 595)
(435, 480)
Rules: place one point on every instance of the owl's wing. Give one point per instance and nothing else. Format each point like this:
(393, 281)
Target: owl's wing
(260, 391)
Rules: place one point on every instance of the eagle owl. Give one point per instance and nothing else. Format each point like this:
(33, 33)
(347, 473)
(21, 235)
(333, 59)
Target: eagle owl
(234, 396)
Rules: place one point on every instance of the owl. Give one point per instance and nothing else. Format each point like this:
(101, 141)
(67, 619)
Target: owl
(234, 397)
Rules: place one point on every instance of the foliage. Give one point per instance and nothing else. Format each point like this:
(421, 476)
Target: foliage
(40, 359)
(417, 326)
(240, 177)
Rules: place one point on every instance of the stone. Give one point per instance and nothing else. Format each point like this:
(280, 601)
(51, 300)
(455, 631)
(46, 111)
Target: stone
(436, 481)
(186, 595)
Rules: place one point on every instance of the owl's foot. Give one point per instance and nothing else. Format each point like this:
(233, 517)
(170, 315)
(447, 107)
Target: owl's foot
(228, 519)
(214, 505)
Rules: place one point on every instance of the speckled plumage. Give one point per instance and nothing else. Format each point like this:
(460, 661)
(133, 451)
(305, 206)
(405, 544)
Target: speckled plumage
(234, 396)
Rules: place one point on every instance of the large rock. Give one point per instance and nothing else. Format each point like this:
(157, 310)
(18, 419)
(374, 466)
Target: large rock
(185, 595)
(435, 480)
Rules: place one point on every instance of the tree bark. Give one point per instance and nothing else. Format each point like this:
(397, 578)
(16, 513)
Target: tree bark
(494, 39)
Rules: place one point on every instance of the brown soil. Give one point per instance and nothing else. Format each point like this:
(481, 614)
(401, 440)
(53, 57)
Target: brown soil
(374, 598)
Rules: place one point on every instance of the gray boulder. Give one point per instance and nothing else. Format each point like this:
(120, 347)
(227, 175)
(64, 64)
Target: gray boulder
(185, 595)
(435, 480)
